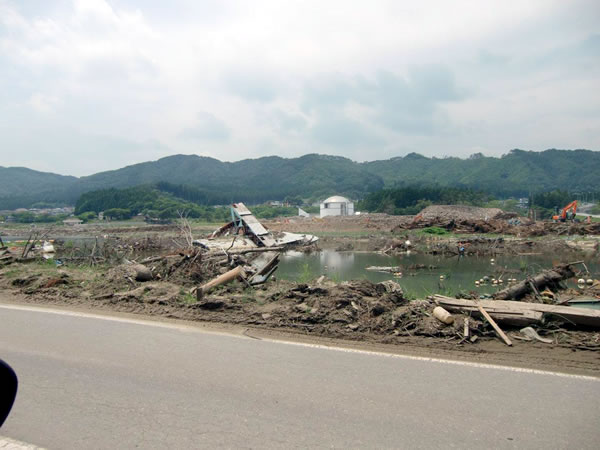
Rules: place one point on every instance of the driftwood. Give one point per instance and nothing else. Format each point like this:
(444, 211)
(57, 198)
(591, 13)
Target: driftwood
(522, 313)
(548, 278)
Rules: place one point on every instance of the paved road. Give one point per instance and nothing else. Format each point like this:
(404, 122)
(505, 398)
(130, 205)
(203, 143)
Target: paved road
(100, 383)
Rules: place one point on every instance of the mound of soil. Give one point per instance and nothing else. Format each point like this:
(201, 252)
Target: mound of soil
(458, 212)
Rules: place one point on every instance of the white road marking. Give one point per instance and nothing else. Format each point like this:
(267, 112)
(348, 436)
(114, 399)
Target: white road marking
(188, 328)
(13, 444)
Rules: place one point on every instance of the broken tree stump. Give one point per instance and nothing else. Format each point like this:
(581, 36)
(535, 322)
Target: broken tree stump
(548, 278)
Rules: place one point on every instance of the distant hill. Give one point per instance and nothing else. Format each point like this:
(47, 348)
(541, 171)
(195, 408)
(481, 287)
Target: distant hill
(514, 174)
(315, 176)
(22, 187)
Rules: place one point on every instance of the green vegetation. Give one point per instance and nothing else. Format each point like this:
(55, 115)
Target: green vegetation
(87, 216)
(207, 181)
(435, 230)
(122, 204)
(186, 298)
(306, 275)
(546, 203)
(513, 175)
(29, 217)
(411, 200)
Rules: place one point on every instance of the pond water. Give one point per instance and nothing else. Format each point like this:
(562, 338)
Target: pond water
(459, 273)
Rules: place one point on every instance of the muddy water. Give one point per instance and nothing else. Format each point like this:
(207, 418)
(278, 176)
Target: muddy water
(459, 273)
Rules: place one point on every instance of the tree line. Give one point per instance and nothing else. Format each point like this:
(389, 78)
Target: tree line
(412, 199)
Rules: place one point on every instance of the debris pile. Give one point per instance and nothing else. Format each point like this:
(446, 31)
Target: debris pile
(471, 219)
(442, 213)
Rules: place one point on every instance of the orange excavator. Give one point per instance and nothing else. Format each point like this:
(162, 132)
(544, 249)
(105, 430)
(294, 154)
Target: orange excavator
(568, 213)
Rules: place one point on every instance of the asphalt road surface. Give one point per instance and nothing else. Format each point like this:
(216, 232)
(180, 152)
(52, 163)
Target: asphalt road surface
(91, 382)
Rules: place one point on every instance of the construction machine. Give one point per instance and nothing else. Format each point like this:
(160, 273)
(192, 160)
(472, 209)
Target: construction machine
(568, 213)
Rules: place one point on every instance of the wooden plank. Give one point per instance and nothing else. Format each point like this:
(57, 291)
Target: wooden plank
(250, 219)
(257, 229)
(578, 316)
(495, 325)
(241, 209)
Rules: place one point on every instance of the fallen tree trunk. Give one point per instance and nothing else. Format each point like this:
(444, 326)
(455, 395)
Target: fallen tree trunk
(519, 313)
(548, 278)
(227, 277)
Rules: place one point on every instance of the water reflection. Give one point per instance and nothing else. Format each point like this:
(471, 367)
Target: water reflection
(336, 261)
(437, 274)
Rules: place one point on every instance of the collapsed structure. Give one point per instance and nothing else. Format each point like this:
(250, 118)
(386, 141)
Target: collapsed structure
(244, 234)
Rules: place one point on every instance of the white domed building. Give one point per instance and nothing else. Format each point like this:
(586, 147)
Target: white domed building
(337, 206)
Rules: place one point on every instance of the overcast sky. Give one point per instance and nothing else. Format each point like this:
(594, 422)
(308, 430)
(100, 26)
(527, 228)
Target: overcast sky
(92, 85)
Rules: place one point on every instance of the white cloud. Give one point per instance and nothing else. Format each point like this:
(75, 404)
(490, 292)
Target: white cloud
(208, 127)
(295, 77)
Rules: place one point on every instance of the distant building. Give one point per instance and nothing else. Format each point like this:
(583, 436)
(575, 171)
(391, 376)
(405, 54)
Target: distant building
(72, 221)
(337, 206)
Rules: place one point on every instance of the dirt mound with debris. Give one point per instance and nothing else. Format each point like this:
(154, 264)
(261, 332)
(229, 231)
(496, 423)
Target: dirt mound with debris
(458, 212)
(363, 222)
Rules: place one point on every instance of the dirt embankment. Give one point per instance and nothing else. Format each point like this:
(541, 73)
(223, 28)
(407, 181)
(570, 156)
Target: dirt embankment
(348, 224)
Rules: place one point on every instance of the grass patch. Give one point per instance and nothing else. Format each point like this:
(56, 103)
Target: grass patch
(435, 231)
(186, 298)
(12, 273)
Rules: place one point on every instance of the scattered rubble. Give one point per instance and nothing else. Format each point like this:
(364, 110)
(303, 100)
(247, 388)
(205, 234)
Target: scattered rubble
(229, 277)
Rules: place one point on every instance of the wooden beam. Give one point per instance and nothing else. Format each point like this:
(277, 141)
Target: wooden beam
(495, 325)
(578, 316)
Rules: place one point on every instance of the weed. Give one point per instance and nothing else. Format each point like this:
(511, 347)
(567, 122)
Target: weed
(336, 277)
(187, 298)
(523, 266)
(409, 295)
(306, 275)
(12, 273)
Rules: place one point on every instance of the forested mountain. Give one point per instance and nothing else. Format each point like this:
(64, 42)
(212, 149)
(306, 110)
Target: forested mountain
(210, 181)
(22, 187)
(514, 174)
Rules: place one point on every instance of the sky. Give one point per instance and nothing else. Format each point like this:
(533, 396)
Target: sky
(94, 85)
